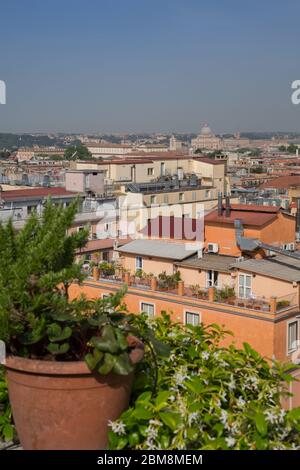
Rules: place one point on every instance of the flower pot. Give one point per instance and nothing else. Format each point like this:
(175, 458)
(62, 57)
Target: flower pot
(96, 273)
(63, 405)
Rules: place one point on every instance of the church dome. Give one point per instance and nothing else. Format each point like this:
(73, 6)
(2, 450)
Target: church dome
(206, 131)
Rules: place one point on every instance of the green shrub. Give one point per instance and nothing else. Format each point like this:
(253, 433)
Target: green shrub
(6, 422)
(207, 397)
(108, 269)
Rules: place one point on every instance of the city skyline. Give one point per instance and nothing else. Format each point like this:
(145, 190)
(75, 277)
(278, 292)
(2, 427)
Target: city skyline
(149, 67)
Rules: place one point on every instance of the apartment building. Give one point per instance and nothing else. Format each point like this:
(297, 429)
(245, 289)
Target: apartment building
(137, 168)
(243, 276)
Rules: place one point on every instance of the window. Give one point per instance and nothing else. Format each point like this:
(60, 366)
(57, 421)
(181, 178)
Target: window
(147, 308)
(138, 262)
(30, 209)
(152, 199)
(150, 171)
(166, 199)
(106, 227)
(245, 290)
(212, 278)
(292, 334)
(192, 318)
(181, 197)
(105, 256)
(207, 194)
(79, 229)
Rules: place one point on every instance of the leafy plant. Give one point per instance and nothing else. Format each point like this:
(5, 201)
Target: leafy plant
(207, 397)
(225, 293)
(108, 269)
(168, 281)
(6, 423)
(37, 319)
(283, 304)
(197, 291)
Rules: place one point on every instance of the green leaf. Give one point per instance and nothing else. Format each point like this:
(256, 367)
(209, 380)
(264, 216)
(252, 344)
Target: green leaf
(261, 424)
(107, 342)
(121, 338)
(57, 349)
(8, 432)
(122, 365)
(142, 413)
(93, 360)
(31, 337)
(170, 419)
(56, 333)
(161, 400)
(134, 439)
(108, 364)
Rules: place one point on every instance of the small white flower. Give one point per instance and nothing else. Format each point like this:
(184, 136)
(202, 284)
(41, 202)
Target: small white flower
(205, 355)
(231, 384)
(192, 418)
(224, 416)
(230, 441)
(117, 426)
(241, 402)
(155, 422)
(271, 417)
(223, 396)
(151, 433)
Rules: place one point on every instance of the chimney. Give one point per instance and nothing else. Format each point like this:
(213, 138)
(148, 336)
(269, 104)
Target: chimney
(298, 221)
(227, 203)
(220, 204)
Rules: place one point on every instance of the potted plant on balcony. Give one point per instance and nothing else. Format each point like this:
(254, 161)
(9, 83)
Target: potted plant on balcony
(168, 281)
(70, 364)
(107, 269)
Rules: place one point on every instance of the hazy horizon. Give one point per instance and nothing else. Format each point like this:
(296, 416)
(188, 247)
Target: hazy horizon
(111, 66)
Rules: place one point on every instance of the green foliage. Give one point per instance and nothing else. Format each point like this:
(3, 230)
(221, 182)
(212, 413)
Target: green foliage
(168, 281)
(37, 319)
(225, 293)
(77, 152)
(207, 396)
(6, 423)
(108, 269)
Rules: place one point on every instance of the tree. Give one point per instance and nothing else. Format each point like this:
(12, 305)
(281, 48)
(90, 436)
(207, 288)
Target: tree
(77, 152)
(292, 148)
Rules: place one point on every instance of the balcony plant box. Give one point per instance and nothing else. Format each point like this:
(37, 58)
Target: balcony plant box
(70, 362)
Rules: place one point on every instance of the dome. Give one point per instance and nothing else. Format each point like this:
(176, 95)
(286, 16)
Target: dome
(206, 131)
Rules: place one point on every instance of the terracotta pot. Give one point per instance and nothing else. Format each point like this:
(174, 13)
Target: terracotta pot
(63, 405)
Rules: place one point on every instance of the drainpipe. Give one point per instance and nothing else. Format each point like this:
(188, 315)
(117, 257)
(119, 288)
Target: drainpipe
(227, 205)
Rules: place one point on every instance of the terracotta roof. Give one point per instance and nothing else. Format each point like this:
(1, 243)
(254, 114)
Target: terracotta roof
(248, 214)
(35, 193)
(282, 182)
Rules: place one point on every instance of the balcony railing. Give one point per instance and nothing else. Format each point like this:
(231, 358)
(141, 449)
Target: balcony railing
(225, 296)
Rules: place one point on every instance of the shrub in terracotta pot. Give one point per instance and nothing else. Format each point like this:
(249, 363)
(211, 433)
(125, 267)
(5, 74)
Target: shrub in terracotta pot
(70, 364)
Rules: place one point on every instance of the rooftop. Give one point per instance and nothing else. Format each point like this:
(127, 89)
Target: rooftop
(158, 249)
(282, 182)
(248, 214)
(20, 194)
(278, 267)
(209, 262)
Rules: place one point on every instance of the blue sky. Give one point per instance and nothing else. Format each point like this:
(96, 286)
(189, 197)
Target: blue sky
(149, 65)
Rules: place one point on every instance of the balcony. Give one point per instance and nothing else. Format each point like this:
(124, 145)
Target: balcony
(226, 296)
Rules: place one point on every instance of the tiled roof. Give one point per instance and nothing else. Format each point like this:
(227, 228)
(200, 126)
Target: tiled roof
(103, 244)
(35, 193)
(248, 214)
(283, 182)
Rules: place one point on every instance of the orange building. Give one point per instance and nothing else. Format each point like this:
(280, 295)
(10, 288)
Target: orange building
(255, 293)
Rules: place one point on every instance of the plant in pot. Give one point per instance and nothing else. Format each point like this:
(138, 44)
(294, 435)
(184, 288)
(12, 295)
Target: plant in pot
(107, 269)
(70, 364)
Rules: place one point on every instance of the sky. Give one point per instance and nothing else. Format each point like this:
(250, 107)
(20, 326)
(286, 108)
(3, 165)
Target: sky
(149, 65)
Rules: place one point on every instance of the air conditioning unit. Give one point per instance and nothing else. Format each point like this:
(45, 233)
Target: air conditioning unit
(239, 259)
(212, 248)
(291, 246)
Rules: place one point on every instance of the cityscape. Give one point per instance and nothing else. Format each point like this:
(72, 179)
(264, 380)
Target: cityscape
(150, 256)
